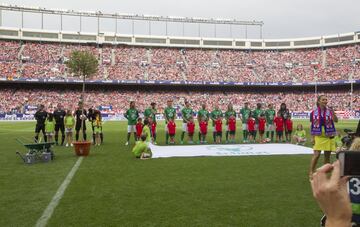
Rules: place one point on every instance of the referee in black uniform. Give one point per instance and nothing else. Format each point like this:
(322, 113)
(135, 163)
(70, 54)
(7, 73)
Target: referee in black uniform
(40, 117)
(59, 115)
(91, 118)
(80, 116)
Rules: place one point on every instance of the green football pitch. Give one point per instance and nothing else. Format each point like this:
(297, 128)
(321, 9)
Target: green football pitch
(112, 188)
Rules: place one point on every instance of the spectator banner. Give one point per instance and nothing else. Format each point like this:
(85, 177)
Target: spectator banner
(300, 115)
(228, 150)
(105, 108)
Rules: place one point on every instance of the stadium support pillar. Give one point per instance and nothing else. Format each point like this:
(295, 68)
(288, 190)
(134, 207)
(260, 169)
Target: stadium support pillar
(261, 31)
(132, 27)
(246, 32)
(231, 32)
(116, 21)
(149, 27)
(22, 19)
(0, 17)
(61, 22)
(98, 25)
(199, 29)
(215, 30)
(80, 24)
(42, 21)
(166, 28)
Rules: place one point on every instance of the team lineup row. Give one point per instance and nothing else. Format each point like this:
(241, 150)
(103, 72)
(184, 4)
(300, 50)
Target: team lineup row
(253, 122)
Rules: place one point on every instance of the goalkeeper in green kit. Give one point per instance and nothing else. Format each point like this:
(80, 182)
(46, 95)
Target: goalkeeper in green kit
(169, 113)
(202, 114)
(132, 114)
(270, 128)
(244, 115)
(230, 112)
(187, 113)
(214, 115)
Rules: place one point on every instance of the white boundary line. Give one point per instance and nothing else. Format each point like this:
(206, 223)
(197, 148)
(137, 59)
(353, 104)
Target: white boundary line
(45, 217)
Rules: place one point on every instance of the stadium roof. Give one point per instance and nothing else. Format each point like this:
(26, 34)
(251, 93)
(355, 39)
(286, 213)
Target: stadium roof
(125, 16)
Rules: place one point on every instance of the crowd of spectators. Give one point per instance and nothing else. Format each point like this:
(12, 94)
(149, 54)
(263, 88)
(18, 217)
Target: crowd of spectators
(119, 100)
(46, 60)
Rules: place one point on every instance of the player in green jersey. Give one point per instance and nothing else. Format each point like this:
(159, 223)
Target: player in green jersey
(270, 115)
(169, 113)
(244, 115)
(230, 112)
(151, 113)
(186, 113)
(257, 112)
(202, 114)
(131, 115)
(214, 115)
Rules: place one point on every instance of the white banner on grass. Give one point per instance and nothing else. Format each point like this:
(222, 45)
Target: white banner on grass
(228, 150)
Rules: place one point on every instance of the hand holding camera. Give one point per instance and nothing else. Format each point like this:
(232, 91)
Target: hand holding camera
(331, 194)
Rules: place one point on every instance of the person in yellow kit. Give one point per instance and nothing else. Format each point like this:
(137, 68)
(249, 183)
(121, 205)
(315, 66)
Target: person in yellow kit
(323, 131)
(97, 128)
(50, 127)
(69, 122)
(141, 149)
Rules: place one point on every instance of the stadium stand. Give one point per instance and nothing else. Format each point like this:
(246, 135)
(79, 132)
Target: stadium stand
(14, 101)
(46, 60)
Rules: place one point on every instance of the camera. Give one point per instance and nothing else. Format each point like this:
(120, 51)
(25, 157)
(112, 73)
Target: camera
(348, 139)
(349, 163)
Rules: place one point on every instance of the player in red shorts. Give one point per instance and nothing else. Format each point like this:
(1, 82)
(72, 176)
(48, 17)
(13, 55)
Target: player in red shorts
(251, 128)
(191, 130)
(218, 129)
(262, 126)
(152, 130)
(172, 130)
(289, 128)
(203, 130)
(139, 128)
(232, 128)
(279, 123)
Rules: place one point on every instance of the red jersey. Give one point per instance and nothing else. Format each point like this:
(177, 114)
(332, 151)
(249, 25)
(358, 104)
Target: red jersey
(153, 128)
(171, 128)
(191, 127)
(218, 125)
(262, 123)
(279, 122)
(203, 127)
(289, 124)
(251, 124)
(232, 124)
(138, 127)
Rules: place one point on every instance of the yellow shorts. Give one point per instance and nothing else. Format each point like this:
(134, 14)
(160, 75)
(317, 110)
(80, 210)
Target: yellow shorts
(324, 143)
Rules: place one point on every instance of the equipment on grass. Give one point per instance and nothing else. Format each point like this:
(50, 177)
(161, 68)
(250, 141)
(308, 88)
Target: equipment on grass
(348, 139)
(36, 152)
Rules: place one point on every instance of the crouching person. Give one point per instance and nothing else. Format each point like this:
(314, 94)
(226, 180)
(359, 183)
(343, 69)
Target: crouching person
(141, 149)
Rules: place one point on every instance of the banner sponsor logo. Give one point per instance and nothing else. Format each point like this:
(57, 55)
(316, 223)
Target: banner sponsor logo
(228, 150)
